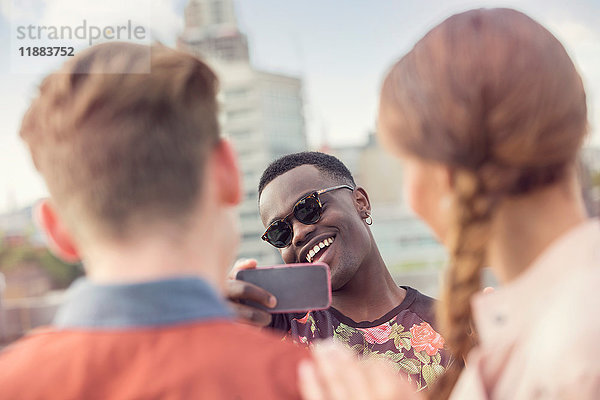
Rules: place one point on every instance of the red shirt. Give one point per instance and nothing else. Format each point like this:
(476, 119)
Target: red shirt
(165, 339)
(202, 360)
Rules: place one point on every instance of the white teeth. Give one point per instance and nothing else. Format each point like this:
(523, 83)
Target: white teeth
(317, 248)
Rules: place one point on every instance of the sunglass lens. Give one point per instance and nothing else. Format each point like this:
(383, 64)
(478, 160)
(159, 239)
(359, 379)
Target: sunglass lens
(308, 210)
(279, 234)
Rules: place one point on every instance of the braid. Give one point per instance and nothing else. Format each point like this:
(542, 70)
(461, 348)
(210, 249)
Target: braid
(472, 215)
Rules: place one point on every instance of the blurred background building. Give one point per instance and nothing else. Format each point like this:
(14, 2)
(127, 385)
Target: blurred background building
(262, 112)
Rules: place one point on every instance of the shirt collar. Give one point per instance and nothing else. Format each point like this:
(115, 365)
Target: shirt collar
(509, 309)
(162, 302)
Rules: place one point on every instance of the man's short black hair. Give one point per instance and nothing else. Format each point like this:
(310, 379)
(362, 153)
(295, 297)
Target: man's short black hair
(325, 163)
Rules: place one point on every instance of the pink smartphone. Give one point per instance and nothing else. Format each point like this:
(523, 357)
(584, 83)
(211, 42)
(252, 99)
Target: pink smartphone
(297, 287)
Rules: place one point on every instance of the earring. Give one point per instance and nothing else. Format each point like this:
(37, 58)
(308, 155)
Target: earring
(368, 218)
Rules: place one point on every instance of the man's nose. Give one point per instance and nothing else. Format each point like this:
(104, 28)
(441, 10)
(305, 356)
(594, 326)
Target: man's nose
(302, 232)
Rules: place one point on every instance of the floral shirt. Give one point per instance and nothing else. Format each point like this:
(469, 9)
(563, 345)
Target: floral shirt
(403, 335)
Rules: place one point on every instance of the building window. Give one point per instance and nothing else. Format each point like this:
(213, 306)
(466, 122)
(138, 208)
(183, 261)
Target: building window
(217, 12)
(240, 113)
(240, 134)
(237, 93)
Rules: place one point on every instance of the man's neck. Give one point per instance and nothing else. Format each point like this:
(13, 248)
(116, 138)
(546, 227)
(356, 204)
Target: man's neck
(151, 257)
(371, 293)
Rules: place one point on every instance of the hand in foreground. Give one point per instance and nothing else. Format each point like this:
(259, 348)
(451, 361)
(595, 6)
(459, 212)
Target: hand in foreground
(237, 291)
(336, 374)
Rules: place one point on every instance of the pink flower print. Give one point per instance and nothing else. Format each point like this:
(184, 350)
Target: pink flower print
(377, 334)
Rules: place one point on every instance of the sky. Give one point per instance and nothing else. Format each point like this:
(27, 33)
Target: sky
(341, 50)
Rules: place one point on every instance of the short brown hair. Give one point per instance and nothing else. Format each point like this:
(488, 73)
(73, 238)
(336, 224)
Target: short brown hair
(116, 146)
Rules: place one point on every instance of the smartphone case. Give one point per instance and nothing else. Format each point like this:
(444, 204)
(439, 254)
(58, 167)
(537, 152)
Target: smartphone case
(297, 287)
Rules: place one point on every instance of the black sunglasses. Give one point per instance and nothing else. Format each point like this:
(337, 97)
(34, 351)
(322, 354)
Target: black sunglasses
(307, 210)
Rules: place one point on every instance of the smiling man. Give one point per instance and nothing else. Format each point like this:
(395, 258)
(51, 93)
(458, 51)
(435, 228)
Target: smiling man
(313, 210)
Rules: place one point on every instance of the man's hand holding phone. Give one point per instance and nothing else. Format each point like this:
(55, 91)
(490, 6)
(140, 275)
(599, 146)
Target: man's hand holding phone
(256, 293)
(238, 291)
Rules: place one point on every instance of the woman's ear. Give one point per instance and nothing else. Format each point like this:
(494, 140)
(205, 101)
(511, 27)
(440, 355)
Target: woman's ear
(362, 202)
(60, 240)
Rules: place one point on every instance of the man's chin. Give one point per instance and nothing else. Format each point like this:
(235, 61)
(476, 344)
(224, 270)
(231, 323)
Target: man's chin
(338, 283)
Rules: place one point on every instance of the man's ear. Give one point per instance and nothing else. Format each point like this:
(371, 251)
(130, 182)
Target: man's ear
(227, 173)
(60, 241)
(362, 202)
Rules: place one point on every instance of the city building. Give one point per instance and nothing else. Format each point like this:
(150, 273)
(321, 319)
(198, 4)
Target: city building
(262, 112)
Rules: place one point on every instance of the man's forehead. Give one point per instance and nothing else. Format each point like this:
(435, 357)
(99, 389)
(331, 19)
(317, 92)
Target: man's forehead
(281, 193)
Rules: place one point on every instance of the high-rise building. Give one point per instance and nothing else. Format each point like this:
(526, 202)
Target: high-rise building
(211, 31)
(262, 112)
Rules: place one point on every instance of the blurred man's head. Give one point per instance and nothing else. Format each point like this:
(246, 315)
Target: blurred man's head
(125, 152)
(340, 236)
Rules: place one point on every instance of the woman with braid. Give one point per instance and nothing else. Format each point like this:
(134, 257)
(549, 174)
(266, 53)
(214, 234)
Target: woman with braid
(488, 113)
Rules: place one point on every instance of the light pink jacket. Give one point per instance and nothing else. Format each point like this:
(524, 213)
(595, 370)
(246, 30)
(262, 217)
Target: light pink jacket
(540, 334)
